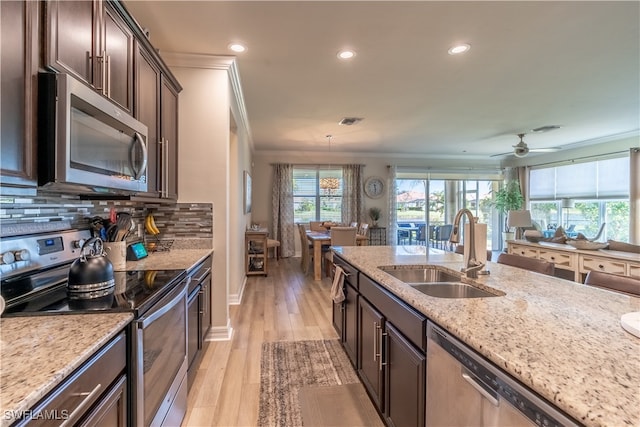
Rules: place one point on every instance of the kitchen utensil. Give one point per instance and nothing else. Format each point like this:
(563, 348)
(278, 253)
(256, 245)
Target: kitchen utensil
(123, 225)
(91, 275)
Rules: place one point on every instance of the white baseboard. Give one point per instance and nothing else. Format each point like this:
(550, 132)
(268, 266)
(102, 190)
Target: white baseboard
(236, 299)
(220, 333)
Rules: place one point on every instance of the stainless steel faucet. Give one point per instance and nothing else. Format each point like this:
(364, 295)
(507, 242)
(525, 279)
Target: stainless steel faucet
(473, 265)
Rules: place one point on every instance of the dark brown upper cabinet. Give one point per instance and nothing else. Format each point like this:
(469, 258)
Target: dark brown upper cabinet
(91, 41)
(18, 68)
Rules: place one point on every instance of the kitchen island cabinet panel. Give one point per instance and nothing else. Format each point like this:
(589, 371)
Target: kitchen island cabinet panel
(371, 323)
(404, 380)
(411, 323)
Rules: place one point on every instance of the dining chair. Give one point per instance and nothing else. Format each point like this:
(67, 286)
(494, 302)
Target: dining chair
(612, 282)
(460, 250)
(443, 233)
(354, 224)
(306, 253)
(421, 237)
(340, 236)
(364, 229)
(275, 245)
(531, 264)
(317, 226)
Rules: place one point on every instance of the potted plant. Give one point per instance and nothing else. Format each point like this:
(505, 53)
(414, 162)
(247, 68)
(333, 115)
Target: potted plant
(375, 214)
(508, 198)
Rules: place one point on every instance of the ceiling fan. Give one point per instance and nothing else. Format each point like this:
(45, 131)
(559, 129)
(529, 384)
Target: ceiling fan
(521, 149)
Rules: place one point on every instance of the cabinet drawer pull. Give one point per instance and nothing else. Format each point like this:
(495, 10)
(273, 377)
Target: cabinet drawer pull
(600, 266)
(81, 407)
(553, 258)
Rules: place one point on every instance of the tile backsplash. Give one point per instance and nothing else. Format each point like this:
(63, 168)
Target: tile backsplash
(175, 221)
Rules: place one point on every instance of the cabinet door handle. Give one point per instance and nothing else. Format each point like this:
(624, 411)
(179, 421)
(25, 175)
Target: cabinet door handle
(104, 72)
(382, 335)
(165, 167)
(81, 407)
(375, 341)
(108, 72)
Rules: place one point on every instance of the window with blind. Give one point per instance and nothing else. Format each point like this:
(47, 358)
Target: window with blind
(317, 194)
(581, 196)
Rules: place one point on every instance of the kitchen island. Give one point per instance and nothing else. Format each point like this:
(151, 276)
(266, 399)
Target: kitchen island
(37, 353)
(560, 338)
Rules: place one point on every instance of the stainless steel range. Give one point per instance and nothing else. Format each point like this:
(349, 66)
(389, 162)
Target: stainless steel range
(33, 273)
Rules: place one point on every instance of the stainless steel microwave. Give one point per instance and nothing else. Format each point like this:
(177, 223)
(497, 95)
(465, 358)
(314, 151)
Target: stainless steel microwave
(85, 142)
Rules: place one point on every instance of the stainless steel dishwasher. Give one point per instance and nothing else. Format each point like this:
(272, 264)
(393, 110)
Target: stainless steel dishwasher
(465, 390)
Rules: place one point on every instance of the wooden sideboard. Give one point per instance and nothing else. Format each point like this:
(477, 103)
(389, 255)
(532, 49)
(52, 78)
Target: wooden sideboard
(578, 261)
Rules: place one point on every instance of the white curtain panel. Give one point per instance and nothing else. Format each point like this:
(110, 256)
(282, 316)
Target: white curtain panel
(352, 194)
(634, 195)
(283, 227)
(392, 217)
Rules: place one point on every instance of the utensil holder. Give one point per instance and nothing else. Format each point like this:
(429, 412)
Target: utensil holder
(117, 254)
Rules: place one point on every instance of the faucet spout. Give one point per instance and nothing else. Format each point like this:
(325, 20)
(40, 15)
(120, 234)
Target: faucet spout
(473, 265)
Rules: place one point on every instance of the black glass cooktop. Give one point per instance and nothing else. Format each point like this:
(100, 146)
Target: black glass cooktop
(135, 291)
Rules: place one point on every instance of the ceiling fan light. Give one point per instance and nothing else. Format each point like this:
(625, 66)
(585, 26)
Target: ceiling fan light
(521, 151)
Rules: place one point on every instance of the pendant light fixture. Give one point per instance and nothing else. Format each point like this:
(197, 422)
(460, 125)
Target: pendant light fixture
(329, 184)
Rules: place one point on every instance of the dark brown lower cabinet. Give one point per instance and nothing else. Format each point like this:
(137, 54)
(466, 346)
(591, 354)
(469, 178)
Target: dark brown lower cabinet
(111, 411)
(370, 366)
(405, 368)
(390, 350)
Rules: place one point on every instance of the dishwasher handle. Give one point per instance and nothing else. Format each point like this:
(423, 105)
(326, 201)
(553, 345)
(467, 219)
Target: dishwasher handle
(479, 386)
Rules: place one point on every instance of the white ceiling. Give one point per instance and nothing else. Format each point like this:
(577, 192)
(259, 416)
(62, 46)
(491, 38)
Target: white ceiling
(531, 64)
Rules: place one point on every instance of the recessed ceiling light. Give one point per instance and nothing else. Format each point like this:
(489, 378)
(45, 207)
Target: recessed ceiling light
(237, 47)
(346, 54)
(458, 49)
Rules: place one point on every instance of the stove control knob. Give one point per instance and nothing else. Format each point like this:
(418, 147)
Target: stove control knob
(7, 258)
(22, 255)
(78, 244)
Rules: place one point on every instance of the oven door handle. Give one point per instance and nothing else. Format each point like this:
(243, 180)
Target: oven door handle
(164, 306)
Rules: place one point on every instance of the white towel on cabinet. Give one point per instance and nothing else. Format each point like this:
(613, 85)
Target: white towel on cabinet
(337, 293)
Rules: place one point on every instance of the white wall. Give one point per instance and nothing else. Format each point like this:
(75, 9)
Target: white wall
(213, 151)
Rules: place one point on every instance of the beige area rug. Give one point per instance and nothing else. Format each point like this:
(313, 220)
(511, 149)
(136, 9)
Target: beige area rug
(289, 367)
(338, 406)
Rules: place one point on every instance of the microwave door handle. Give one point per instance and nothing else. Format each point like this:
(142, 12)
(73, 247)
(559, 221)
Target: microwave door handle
(137, 140)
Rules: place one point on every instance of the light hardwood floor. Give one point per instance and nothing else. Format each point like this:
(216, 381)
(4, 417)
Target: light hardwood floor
(285, 305)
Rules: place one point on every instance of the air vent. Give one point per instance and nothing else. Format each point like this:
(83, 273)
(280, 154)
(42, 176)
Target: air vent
(348, 121)
(547, 128)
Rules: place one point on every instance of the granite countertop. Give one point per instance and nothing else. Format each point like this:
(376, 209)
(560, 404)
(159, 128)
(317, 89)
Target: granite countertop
(561, 338)
(37, 353)
(175, 259)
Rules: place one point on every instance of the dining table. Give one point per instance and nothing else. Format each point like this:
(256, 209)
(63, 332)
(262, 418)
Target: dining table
(320, 238)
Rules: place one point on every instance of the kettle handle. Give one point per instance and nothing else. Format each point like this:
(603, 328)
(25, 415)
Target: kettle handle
(95, 245)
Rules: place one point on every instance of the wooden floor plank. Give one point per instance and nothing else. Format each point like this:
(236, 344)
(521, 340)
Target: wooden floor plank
(285, 305)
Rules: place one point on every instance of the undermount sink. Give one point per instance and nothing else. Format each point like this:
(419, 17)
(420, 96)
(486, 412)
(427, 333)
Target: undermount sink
(422, 275)
(437, 283)
(451, 290)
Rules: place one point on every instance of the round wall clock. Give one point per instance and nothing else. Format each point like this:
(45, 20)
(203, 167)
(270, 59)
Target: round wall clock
(374, 187)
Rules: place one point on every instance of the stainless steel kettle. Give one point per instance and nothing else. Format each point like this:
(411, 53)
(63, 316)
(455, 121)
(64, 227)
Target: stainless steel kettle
(91, 275)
